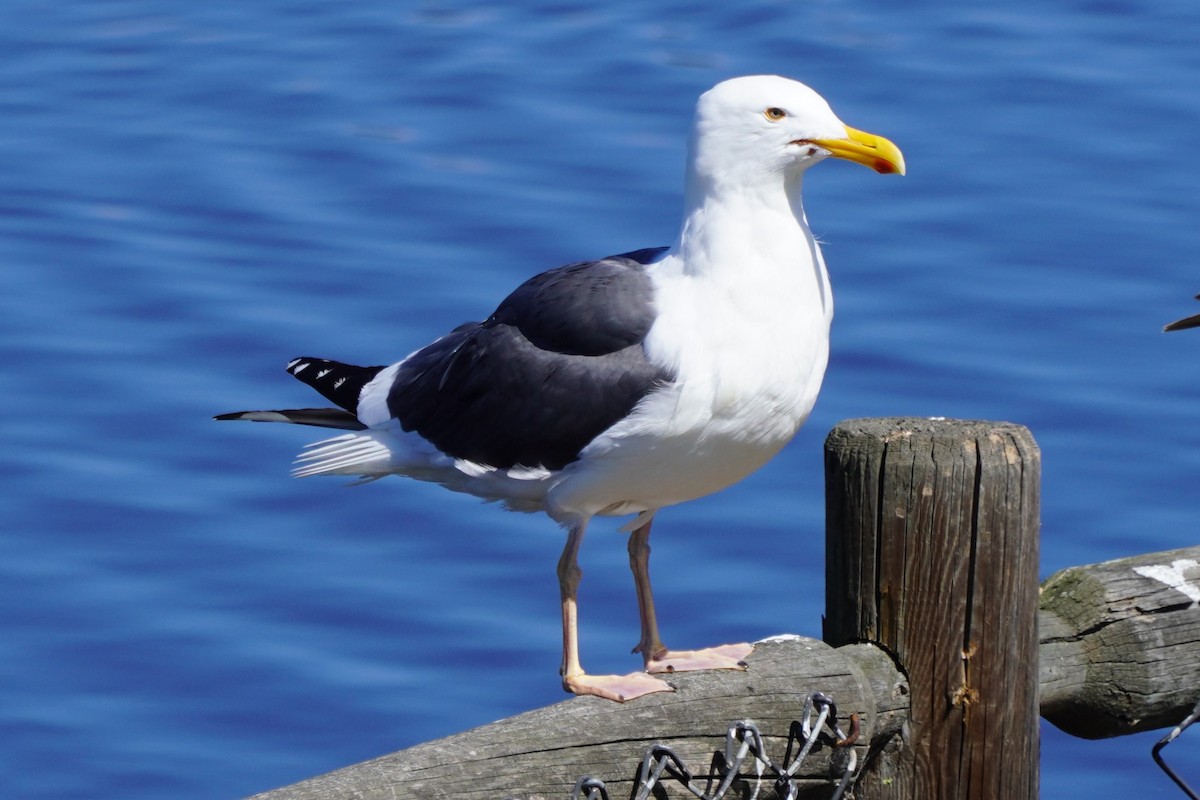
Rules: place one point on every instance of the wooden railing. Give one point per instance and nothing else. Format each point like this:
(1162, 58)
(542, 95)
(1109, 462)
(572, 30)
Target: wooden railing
(935, 628)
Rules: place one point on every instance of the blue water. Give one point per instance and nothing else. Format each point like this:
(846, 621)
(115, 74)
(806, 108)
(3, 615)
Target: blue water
(192, 194)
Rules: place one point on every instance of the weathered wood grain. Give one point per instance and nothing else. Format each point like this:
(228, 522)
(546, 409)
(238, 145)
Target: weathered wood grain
(1120, 644)
(932, 553)
(542, 753)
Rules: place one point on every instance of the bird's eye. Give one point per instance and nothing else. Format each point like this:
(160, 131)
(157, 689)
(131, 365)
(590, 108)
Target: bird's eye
(775, 114)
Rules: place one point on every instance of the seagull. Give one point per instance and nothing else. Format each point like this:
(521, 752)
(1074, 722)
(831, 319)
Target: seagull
(1186, 322)
(628, 384)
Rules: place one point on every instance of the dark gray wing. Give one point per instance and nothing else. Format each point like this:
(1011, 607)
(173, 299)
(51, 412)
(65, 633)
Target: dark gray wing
(559, 361)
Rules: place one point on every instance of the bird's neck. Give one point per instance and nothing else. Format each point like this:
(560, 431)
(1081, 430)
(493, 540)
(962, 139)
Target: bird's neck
(732, 231)
(744, 310)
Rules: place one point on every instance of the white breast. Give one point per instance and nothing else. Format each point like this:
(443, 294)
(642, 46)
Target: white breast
(749, 349)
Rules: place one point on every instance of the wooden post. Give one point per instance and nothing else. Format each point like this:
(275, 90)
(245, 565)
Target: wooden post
(932, 553)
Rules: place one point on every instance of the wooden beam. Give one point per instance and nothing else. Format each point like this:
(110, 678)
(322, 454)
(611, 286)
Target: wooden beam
(541, 754)
(932, 553)
(1120, 644)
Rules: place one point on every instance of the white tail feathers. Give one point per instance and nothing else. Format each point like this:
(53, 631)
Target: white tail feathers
(360, 454)
(372, 454)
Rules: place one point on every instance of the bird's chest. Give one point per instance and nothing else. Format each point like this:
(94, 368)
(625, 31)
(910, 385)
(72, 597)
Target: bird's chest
(748, 359)
(736, 401)
(747, 356)
(749, 391)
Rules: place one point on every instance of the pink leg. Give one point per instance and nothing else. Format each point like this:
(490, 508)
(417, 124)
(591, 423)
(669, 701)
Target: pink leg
(575, 680)
(655, 654)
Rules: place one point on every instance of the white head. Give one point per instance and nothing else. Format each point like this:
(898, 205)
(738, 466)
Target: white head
(751, 128)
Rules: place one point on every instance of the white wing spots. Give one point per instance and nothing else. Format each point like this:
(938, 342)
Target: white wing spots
(1172, 576)
(323, 373)
(472, 468)
(523, 473)
(338, 383)
(296, 370)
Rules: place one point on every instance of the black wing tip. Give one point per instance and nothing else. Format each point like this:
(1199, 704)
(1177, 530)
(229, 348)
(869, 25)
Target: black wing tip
(1183, 324)
(338, 382)
(317, 417)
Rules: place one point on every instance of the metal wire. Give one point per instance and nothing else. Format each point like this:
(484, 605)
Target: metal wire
(1156, 751)
(743, 740)
(659, 759)
(589, 788)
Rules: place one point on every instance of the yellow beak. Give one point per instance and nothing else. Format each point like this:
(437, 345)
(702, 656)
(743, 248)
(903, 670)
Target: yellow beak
(867, 149)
